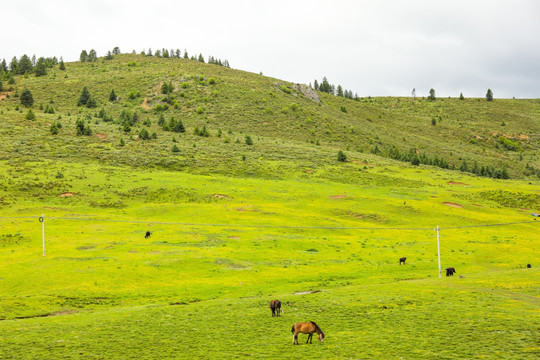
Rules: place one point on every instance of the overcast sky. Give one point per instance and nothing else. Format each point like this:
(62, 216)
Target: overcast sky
(377, 48)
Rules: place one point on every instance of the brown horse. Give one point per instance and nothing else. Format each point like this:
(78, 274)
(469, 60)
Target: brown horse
(402, 260)
(275, 306)
(306, 328)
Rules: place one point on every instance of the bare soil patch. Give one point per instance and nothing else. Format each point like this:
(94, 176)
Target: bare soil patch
(102, 136)
(220, 196)
(67, 194)
(338, 196)
(3, 96)
(144, 104)
(307, 292)
(452, 204)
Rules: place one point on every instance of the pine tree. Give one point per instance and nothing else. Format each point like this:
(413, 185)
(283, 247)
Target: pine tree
(339, 91)
(112, 96)
(13, 65)
(30, 115)
(85, 96)
(3, 66)
(25, 65)
(26, 98)
(41, 69)
(489, 95)
(109, 55)
(84, 56)
(62, 66)
(116, 50)
(54, 129)
(92, 55)
(461, 97)
(201, 58)
(315, 85)
(341, 156)
(249, 141)
(179, 127)
(143, 134)
(1, 85)
(431, 94)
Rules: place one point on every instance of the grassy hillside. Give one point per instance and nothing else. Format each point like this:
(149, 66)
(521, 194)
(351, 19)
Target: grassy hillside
(283, 122)
(235, 225)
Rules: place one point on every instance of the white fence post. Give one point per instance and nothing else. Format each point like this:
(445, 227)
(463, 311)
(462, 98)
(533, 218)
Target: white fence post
(438, 250)
(43, 231)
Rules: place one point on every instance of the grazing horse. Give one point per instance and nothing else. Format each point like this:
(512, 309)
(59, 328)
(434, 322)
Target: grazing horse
(275, 306)
(147, 235)
(306, 328)
(450, 271)
(528, 266)
(402, 260)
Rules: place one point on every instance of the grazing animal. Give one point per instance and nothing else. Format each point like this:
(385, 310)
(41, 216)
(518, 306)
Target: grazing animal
(450, 271)
(275, 306)
(528, 266)
(147, 235)
(306, 328)
(402, 260)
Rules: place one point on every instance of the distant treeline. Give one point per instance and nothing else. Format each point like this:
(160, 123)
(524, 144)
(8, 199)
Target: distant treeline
(26, 65)
(39, 66)
(326, 87)
(416, 158)
(172, 53)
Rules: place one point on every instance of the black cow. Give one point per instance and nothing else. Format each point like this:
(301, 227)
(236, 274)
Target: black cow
(450, 271)
(402, 260)
(528, 266)
(147, 235)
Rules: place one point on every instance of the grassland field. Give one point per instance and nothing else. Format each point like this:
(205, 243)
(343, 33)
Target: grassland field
(235, 226)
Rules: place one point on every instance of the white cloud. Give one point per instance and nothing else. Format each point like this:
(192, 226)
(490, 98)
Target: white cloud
(372, 47)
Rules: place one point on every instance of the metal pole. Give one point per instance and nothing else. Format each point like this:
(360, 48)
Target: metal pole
(438, 251)
(43, 231)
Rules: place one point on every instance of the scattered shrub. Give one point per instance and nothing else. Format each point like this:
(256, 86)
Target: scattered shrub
(30, 115)
(341, 156)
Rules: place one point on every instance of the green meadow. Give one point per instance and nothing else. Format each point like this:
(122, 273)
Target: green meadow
(234, 226)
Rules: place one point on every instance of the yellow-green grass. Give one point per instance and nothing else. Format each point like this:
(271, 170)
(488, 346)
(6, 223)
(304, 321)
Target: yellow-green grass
(194, 290)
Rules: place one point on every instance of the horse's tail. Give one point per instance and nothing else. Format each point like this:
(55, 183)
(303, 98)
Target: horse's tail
(292, 330)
